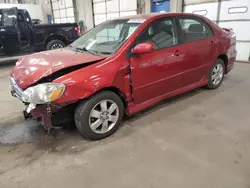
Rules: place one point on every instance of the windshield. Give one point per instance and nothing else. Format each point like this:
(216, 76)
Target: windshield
(106, 38)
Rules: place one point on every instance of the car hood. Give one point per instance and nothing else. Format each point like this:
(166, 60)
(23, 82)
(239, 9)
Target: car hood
(32, 68)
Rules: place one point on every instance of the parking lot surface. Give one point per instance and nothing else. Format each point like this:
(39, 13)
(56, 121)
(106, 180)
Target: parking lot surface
(197, 140)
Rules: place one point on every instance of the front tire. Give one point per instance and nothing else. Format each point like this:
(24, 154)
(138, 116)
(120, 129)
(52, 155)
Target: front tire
(216, 74)
(99, 116)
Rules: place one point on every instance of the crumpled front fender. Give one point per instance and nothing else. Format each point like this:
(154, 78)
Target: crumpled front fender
(85, 82)
(76, 89)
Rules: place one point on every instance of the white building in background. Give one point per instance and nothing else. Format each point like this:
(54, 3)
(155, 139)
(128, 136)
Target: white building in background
(106, 10)
(63, 11)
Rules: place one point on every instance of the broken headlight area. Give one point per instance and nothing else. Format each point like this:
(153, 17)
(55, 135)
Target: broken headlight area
(43, 93)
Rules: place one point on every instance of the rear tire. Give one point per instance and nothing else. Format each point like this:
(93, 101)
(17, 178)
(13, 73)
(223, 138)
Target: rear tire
(99, 116)
(216, 74)
(55, 44)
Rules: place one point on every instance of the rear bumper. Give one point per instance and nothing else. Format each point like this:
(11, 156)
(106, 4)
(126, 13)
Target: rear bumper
(230, 67)
(231, 63)
(231, 59)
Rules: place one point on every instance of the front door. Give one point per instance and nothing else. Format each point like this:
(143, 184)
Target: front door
(157, 73)
(9, 32)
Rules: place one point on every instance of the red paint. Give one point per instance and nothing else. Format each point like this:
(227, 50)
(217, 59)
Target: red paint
(143, 48)
(226, 29)
(133, 108)
(144, 79)
(31, 68)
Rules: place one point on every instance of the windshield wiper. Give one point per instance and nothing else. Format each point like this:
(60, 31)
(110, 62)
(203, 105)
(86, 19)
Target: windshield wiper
(105, 53)
(86, 50)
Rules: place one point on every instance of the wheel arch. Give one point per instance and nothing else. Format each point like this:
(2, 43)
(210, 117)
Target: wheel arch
(224, 58)
(56, 37)
(113, 89)
(116, 91)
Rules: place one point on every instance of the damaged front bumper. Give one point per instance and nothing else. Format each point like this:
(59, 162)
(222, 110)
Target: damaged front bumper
(49, 114)
(43, 113)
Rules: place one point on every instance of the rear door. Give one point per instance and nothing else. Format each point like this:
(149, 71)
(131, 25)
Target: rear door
(9, 32)
(159, 72)
(199, 47)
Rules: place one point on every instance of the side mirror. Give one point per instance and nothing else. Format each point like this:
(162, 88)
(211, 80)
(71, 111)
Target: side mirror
(143, 48)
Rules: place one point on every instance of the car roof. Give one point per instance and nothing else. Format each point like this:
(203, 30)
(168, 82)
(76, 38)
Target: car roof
(155, 15)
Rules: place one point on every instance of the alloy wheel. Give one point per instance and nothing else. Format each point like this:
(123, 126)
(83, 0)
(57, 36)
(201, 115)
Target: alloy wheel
(217, 74)
(103, 116)
(56, 46)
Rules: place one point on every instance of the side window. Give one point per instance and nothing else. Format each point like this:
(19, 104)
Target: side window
(193, 29)
(161, 33)
(8, 18)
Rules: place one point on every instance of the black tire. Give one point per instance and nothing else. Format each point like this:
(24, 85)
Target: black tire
(50, 44)
(83, 111)
(210, 84)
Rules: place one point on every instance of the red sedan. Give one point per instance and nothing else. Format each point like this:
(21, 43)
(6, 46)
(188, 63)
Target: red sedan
(121, 67)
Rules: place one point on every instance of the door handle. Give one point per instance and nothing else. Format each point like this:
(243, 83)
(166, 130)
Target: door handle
(177, 53)
(212, 43)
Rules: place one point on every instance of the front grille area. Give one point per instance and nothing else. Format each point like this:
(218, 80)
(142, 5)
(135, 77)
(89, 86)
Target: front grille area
(16, 91)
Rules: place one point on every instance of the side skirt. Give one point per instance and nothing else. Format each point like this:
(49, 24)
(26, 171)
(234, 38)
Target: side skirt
(134, 108)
